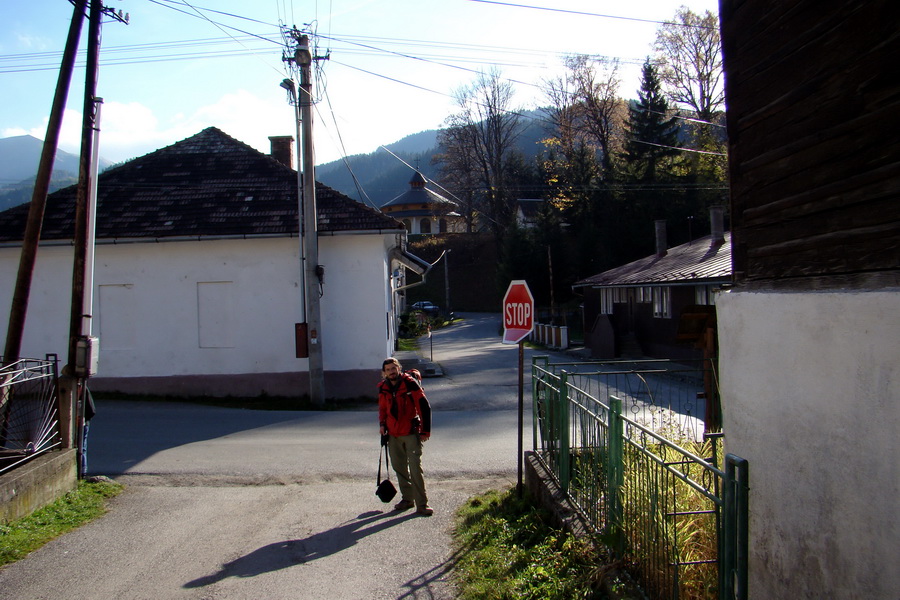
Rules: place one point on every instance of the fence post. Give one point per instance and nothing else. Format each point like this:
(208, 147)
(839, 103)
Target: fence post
(565, 450)
(536, 361)
(734, 542)
(615, 472)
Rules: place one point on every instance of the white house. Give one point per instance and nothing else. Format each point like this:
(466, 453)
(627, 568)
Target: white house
(197, 282)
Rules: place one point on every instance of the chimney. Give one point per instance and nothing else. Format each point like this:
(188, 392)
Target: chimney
(717, 225)
(661, 243)
(282, 149)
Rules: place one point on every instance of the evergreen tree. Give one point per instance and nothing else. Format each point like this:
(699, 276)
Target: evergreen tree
(651, 135)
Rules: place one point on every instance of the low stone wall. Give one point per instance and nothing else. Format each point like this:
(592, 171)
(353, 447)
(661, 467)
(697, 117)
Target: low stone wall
(615, 583)
(37, 483)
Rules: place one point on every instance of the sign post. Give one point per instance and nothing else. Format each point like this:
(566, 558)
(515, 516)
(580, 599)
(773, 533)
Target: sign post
(518, 323)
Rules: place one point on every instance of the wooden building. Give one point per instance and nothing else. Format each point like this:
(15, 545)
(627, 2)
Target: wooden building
(809, 336)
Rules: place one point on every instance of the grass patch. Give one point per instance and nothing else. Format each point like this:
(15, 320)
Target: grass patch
(407, 344)
(83, 504)
(509, 550)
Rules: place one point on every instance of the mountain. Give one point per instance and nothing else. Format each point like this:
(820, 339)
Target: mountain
(19, 160)
(383, 176)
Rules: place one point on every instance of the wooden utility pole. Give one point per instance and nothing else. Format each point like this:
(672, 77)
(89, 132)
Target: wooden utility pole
(35, 220)
(313, 272)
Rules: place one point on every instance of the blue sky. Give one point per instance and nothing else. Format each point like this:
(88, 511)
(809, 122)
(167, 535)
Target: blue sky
(182, 65)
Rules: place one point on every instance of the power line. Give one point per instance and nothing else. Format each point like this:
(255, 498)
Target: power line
(588, 14)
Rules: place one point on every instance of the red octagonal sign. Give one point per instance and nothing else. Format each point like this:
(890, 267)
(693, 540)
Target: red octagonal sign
(518, 312)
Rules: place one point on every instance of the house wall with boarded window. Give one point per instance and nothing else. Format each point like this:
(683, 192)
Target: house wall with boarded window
(216, 317)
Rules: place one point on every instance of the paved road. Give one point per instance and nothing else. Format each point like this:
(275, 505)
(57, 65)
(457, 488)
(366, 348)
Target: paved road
(234, 504)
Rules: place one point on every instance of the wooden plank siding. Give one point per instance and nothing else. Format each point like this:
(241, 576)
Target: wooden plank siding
(813, 119)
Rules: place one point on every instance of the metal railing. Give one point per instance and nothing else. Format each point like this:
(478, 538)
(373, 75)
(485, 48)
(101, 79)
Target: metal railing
(653, 491)
(29, 410)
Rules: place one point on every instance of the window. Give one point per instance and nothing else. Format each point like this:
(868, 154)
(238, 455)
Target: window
(407, 225)
(117, 312)
(442, 225)
(425, 226)
(705, 294)
(662, 303)
(645, 295)
(606, 301)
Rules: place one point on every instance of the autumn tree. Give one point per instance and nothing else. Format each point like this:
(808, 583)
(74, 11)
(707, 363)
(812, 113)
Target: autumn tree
(479, 145)
(689, 51)
(689, 54)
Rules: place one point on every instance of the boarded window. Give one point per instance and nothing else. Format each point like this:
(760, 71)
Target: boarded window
(116, 312)
(215, 314)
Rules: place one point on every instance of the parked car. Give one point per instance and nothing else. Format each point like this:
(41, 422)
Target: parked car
(427, 307)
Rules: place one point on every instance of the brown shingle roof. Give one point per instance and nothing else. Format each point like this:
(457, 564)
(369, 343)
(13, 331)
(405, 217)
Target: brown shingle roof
(206, 185)
(696, 261)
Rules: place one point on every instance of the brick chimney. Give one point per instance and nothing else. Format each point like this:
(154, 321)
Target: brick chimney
(662, 245)
(717, 225)
(283, 149)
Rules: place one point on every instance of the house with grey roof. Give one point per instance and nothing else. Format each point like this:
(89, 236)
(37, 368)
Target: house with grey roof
(422, 210)
(658, 306)
(197, 285)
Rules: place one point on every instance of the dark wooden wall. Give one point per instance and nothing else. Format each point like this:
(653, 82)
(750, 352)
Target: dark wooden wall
(813, 111)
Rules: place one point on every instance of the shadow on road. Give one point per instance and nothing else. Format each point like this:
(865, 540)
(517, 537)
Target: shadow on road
(289, 553)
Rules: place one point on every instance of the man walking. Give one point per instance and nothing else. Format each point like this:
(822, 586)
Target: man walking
(405, 418)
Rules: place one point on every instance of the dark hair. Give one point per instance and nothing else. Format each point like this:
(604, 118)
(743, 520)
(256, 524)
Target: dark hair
(390, 361)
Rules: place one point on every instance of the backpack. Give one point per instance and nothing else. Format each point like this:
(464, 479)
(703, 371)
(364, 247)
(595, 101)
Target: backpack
(415, 374)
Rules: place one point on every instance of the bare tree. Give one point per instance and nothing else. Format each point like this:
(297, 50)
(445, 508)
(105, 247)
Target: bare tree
(600, 110)
(481, 138)
(689, 52)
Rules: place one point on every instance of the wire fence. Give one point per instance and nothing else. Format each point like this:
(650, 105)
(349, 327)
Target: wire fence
(29, 410)
(647, 477)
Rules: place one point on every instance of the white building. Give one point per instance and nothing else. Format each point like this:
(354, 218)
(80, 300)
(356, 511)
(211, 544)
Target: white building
(197, 283)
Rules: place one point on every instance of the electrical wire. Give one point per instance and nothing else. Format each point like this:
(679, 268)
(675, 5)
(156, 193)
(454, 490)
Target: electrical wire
(587, 14)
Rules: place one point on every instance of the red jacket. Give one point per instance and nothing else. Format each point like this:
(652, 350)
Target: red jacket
(398, 407)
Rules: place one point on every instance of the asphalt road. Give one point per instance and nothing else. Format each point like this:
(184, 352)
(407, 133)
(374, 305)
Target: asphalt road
(234, 504)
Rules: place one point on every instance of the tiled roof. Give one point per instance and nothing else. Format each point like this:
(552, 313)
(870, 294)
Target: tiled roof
(698, 261)
(418, 195)
(206, 185)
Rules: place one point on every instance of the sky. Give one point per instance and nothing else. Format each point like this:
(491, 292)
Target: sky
(392, 66)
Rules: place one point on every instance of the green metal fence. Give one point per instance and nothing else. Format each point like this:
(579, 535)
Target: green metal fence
(655, 492)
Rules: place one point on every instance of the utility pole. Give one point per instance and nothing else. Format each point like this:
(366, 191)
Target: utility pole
(35, 220)
(313, 271)
(82, 351)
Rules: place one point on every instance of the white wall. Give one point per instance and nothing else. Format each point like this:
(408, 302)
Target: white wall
(810, 387)
(212, 308)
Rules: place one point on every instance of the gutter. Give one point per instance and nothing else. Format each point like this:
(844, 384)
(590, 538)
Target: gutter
(412, 262)
(202, 238)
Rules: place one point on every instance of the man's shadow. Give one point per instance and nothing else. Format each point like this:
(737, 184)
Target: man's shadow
(289, 553)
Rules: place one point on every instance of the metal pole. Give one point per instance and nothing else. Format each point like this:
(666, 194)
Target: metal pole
(87, 320)
(288, 84)
(519, 486)
(447, 282)
(35, 220)
(310, 229)
(81, 200)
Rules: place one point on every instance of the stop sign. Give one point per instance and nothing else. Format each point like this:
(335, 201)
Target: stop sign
(518, 312)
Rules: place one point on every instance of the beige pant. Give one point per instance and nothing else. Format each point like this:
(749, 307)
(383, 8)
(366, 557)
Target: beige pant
(406, 458)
